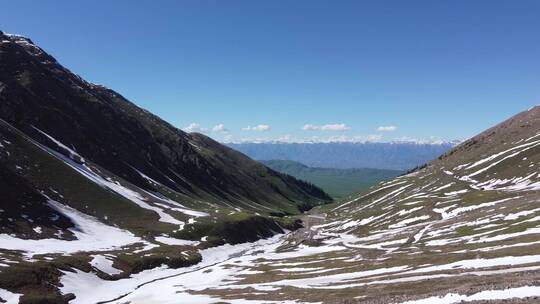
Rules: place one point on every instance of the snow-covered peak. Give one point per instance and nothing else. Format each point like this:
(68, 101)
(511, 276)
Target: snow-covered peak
(31, 48)
(25, 42)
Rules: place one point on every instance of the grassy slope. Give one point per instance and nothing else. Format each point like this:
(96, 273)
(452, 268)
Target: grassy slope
(336, 182)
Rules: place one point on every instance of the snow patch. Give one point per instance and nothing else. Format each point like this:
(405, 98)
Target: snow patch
(91, 234)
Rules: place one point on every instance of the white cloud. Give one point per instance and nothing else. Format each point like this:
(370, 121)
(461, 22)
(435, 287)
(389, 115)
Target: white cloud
(310, 127)
(335, 127)
(257, 128)
(261, 128)
(195, 127)
(327, 127)
(228, 138)
(387, 128)
(220, 128)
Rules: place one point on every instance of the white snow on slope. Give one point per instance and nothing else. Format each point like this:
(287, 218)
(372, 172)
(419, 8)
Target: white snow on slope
(512, 184)
(494, 156)
(420, 233)
(92, 235)
(529, 146)
(450, 214)
(173, 241)
(58, 143)
(9, 297)
(481, 263)
(91, 289)
(104, 264)
(504, 294)
(127, 193)
(408, 221)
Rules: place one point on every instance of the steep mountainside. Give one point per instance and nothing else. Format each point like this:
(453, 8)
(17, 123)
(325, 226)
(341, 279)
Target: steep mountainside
(463, 229)
(41, 98)
(336, 182)
(343, 155)
(85, 174)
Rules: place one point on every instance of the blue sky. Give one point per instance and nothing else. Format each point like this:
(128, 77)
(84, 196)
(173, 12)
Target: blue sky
(301, 69)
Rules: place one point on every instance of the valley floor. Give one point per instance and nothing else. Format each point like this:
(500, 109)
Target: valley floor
(313, 266)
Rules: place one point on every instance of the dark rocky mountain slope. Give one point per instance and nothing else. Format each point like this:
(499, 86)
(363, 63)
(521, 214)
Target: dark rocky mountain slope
(40, 97)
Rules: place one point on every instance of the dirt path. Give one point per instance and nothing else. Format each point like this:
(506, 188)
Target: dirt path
(307, 233)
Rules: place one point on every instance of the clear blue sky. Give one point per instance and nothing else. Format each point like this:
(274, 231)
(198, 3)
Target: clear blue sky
(446, 69)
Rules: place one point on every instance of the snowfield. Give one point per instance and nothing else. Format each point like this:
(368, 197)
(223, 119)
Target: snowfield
(91, 234)
(227, 270)
(511, 293)
(9, 297)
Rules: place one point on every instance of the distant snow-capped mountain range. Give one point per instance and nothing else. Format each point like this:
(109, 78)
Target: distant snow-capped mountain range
(430, 141)
(395, 155)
